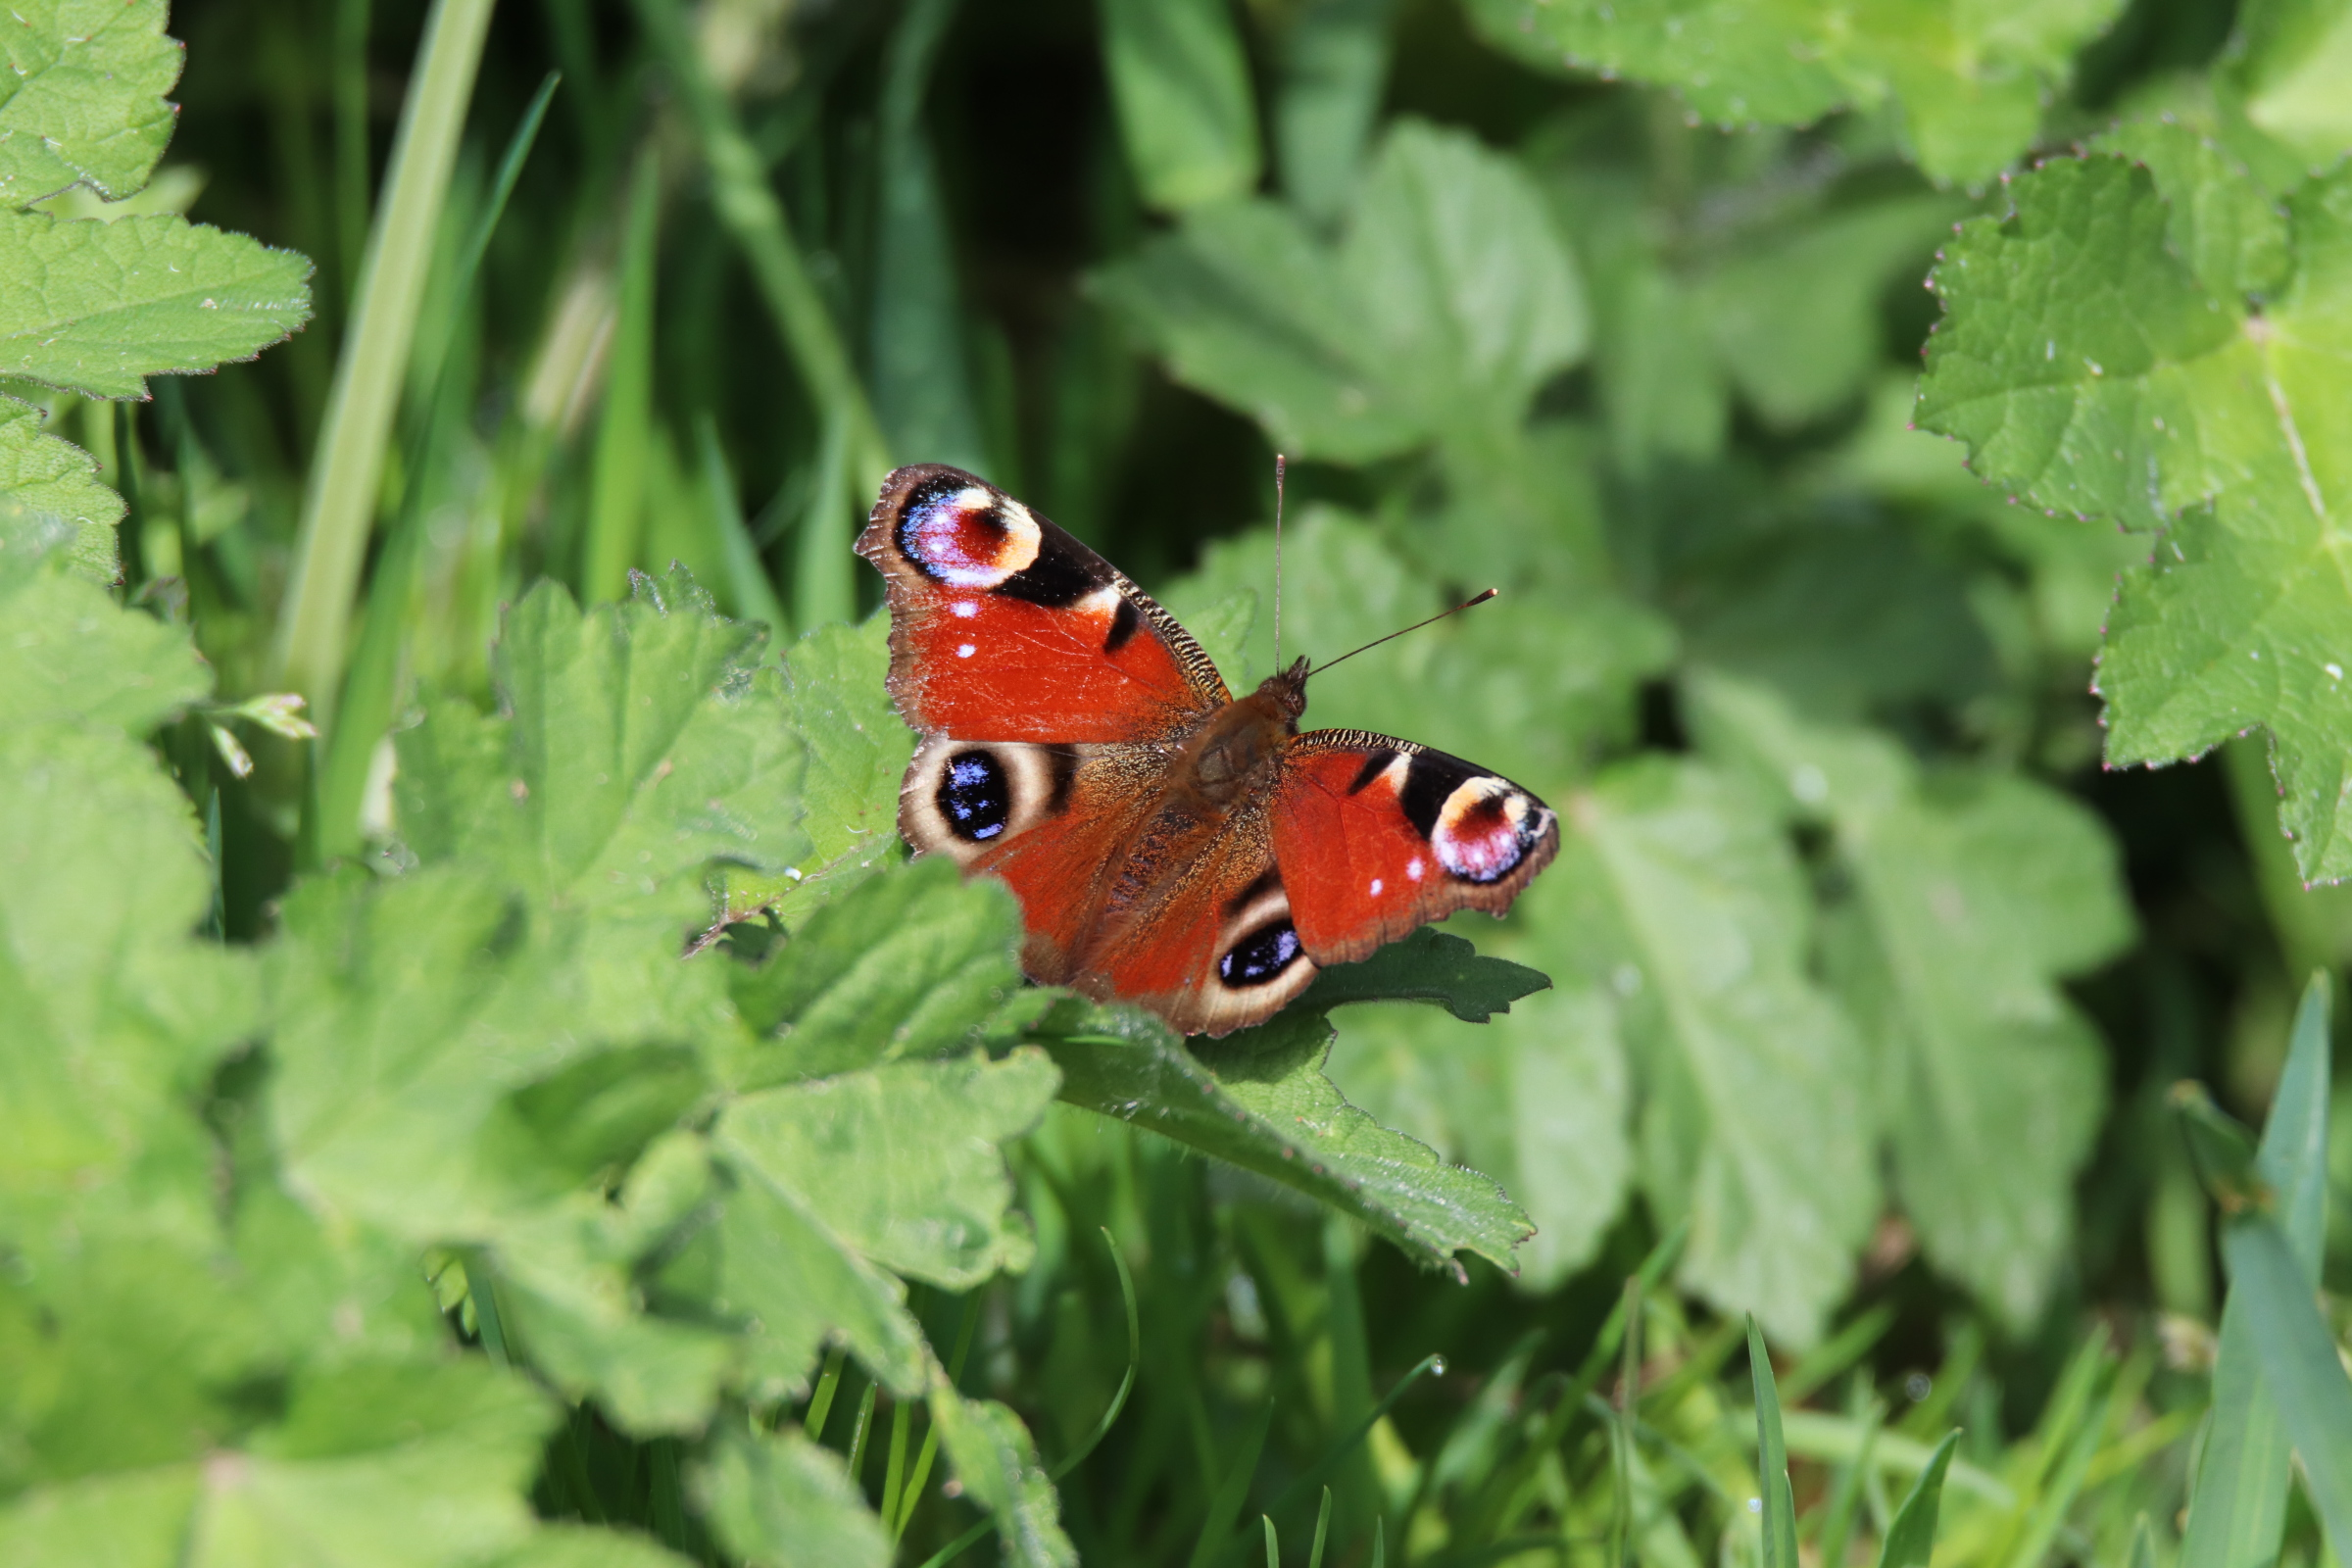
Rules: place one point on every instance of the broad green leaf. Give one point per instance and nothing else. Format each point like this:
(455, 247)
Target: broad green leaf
(114, 1014)
(1181, 86)
(569, 1303)
(98, 308)
(1537, 1098)
(2292, 55)
(375, 1464)
(780, 1499)
(1970, 80)
(2238, 1508)
(901, 1161)
(906, 963)
(1449, 300)
(857, 746)
(1794, 318)
(1260, 1100)
(1429, 965)
(997, 1461)
(1675, 890)
(1335, 65)
(2228, 231)
(82, 97)
(2150, 394)
(43, 473)
(73, 655)
(1976, 896)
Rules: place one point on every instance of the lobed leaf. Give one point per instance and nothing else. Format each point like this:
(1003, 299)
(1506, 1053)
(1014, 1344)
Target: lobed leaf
(2145, 392)
(1969, 80)
(97, 308)
(81, 96)
(42, 474)
(1677, 892)
(781, 1500)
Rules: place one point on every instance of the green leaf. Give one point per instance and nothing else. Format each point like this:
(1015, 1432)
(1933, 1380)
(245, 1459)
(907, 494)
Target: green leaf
(1448, 303)
(1677, 891)
(906, 963)
(97, 308)
(1260, 1100)
(1911, 1539)
(1969, 82)
(1796, 320)
(642, 746)
(375, 1464)
(2290, 65)
(901, 1161)
(779, 1499)
(2237, 1505)
(997, 1461)
(43, 473)
(2228, 231)
(2146, 394)
(1976, 895)
(1537, 1098)
(82, 97)
(1429, 965)
(72, 654)
(1181, 86)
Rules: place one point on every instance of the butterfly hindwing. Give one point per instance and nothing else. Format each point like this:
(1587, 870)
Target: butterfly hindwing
(1377, 836)
(1004, 627)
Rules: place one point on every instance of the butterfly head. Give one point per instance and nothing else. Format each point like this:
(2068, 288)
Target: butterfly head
(1285, 690)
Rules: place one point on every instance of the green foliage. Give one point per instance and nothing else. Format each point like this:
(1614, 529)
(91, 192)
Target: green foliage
(549, 1121)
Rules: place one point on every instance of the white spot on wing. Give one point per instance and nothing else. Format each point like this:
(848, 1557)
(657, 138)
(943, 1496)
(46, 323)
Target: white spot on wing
(1376, 887)
(965, 651)
(1413, 869)
(965, 610)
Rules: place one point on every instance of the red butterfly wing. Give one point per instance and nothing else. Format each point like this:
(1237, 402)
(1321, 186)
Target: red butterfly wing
(1376, 836)
(1004, 627)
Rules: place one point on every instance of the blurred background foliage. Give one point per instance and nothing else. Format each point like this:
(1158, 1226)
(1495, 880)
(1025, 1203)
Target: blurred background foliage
(1870, 981)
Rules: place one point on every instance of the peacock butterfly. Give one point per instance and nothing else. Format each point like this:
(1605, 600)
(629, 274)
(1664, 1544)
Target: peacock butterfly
(1170, 846)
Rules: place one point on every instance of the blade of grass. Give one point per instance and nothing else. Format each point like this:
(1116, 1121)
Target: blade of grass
(348, 751)
(754, 596)
(894, 1471)
(822, 590)
(2237, 1504)
(1135, 1359)
(1911, 1539)
(757, 220)
(339, 500)
(821, 1403)
(624, 425)
(1273, 1543)
(1314, 1555)
(922, 1464)
(860, 1432)
(1314, 1473)
(1845, 1490)
(1225, 1507)
(2299, 1365)
(1772, 1458)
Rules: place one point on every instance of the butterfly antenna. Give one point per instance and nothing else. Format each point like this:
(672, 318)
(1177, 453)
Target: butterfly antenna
(1280, 463)
(1474, 598)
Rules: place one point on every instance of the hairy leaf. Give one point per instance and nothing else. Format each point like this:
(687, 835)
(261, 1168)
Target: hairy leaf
(2087, 366)
(98, 308)
(42, 474)
(781, 1500)
(82, 97)
(997, 1461)
(1970, 80)
(1260, 1100)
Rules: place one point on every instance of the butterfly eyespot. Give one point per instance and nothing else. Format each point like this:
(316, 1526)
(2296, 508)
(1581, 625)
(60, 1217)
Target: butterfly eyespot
(974, 796)
(963, 535)
(1485, 829)
(1261, 957)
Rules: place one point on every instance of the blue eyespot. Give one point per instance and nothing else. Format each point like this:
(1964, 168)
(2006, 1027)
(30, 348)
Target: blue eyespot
(1260, 956)
(974, 796)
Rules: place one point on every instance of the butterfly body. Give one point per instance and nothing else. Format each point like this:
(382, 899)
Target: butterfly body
(1171, 844)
